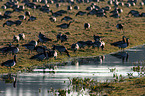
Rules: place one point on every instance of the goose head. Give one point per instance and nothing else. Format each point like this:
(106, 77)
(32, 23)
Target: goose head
(22, 36)
(33, 42)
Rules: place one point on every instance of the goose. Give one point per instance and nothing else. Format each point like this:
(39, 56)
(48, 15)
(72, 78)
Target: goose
(27, 13)
(69, 7)
(81, 13)
(142, 14)
(56, 14)
(141, 3)
(40, 56)
(60, 49)
(110, 2)
(79, 1)
(10, 63)
(40, 49)
(97, 38)
(99, 44)
(119, 42)
(1, 17)
(57, 5)
(89, 43)
(18, 22)
(101, 15)
(64, 25)
(75, 47)
(93, 4)
(6, 16)
(22, 7)
(46, 6)
(89, 8)
(87, 26)
(8, 23)
(52, 19)
(124, 45)
(115, 11)
(132, 3)
(21, 36)
(52, 53)
(92, 12)
(29, 4)
(66, 18)
(118, 9)
(43, 38)
(58, 36)
(38, 6)
(62, 11)
(4, 49)
(15, 6)
(81, 44)
(4, 7)
(8, 13)
(32, 18)
(107, 8)
(127, 4)
(16, 38)
(17, 9)
(33, 42)
(41, 35)
(116, 3)
(30, 46)
(63, 38)
(22, 17)
(115, 15)
(13, 49)
(132, 12)
(76, 7)
(9, 4)
(119, 26)
(43, 9)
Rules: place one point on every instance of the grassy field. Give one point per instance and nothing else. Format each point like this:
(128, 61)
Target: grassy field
(131, 87)
(134, 29)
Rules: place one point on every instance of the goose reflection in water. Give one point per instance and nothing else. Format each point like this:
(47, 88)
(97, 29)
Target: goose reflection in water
(91, 60)
(121, 55)
(50, 68)
(9, 78)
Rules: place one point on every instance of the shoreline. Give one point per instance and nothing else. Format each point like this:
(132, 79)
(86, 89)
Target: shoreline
(99, 55)
(68, 59)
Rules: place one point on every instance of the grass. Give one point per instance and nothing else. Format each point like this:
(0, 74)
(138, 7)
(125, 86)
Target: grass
(130, 87)
(106, 27)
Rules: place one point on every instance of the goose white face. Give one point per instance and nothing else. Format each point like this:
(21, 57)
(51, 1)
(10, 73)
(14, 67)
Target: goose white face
(55, 54)
(16, 50)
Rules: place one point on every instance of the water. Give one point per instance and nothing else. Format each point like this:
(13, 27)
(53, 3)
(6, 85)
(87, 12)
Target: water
(38, 82)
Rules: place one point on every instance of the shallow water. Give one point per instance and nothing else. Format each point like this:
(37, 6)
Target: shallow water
(38, 82)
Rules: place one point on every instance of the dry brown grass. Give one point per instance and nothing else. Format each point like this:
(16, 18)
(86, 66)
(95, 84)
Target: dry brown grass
(134, 29)
(134, 87)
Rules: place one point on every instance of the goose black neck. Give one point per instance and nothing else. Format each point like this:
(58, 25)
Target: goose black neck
(15, 58)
